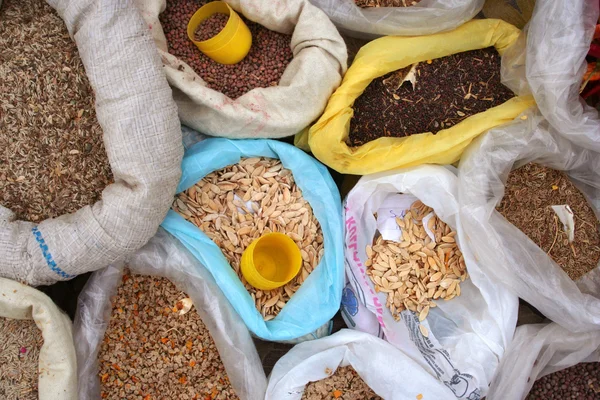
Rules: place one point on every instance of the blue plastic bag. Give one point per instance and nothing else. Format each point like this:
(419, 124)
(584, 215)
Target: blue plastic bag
(318, 298)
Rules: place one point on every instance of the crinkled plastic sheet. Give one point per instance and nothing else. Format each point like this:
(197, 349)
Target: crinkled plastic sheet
(506, 254)
(164, 256)
(424, 18)
(554, 44)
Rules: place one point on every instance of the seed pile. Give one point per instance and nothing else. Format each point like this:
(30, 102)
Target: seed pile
(581, 382)
(385, 3)
(445, 91)
(530, 192)
(241, 202)
(211, 26)
(263, 66)
(19, 355)
(343, 384)
(153, 349)
(417, 270)
(52, 159)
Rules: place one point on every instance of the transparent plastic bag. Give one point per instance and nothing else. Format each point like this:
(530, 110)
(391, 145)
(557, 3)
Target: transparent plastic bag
(549, 62)
(164, 256)
(424, 18)
(391, 374)
(468, 334)
(538, 350)
(506, 254)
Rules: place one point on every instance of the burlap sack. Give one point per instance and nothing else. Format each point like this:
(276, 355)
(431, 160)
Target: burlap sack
(142, 137)
(57, 355)
(308, 81)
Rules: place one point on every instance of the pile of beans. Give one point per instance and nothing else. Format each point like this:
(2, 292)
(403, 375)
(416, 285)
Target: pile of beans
(208, 27)
(581, 382)
(263, 66)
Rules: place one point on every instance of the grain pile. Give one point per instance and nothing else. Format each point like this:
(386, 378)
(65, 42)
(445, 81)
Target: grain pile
(153, 349)
(530, 192)
(429, 96)
(343, 384)
(581, 382)
(19, 355)
(417, 270)
(211, 27)
(263, 66)
(241, 202)
(52, 158)
(385, 3)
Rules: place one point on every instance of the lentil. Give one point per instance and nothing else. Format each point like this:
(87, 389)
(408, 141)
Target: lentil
(52, 160)
(151, 351)
(19, 359)
(263, 66)
(343, 384)
(581, 382)
(446, 91)
(529, 194)
(211, 27)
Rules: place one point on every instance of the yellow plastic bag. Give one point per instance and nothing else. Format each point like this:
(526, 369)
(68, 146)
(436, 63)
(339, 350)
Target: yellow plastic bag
(327, 138)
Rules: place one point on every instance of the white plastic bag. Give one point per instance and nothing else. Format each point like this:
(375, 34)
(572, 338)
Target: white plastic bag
(57, 355)
(391, 373)
(301, 95)
(468, 334)
(164, 256)
(506, 254)
(424, 18)
(549, 62)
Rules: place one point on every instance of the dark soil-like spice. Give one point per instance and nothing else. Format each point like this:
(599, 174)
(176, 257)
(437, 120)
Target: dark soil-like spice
(343, 384)
(263, 66)
(581, 382)
(530, 192)
(447, 90)
(211, 27)
(385, 3)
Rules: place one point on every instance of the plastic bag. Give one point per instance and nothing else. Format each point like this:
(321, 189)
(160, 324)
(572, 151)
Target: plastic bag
(554, 45)
(164, 256)
(327, 138)
(142, 136)
(318, 299)
(57, 355)
(301, 95)
(424, 18)
(391, 374)
(468, 334)
(506, 253)
(538, 350)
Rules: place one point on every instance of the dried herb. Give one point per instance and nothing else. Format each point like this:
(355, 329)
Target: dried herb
(343, 384)
(52, 159)
(19, 359)
(385, 3)
(530, 192)
(152, 351)
(446, 91)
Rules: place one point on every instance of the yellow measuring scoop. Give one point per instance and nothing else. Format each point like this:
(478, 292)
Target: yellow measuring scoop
(229, 46)
(271, 261)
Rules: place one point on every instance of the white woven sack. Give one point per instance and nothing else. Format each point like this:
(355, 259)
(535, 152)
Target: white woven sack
(284, 110)
(142, 137)
(424, 18)
(57, 355)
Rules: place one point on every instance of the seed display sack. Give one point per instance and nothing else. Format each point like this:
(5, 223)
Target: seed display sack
(231, 193)
(529, 208)
(107, 151)
(296, 61)
(547, 361)
(163, 328)
(407, 264)
(560, 32)
(333, 368)
(37, 356)
(394, 64)
(373, 18)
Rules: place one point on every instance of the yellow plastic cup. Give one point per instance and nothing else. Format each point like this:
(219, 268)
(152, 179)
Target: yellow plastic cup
(229, 46)
(271, 261)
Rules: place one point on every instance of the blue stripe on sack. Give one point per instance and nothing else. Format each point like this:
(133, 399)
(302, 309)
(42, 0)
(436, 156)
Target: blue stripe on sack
(49, 260)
